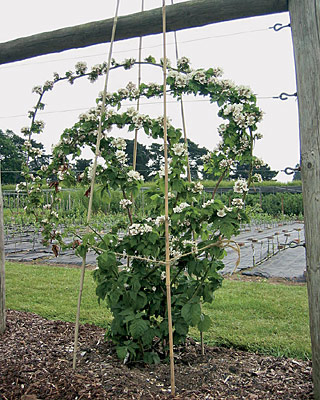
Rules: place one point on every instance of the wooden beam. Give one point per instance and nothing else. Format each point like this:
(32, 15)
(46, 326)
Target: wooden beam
(184, 15)
(2, 267)
(305, 17)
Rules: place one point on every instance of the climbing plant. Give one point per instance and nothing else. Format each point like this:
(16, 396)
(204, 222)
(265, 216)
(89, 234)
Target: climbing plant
(131, 256)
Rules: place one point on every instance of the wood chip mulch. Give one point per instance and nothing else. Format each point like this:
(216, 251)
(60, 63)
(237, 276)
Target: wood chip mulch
(36, 363)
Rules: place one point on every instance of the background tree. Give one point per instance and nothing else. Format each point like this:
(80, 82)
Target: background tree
(242, 171)
(13, 155)
(81, 164)
(143, 157)
(297, 174)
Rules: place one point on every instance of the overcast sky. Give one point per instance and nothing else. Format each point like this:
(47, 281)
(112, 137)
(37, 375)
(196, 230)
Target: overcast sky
(248, 51)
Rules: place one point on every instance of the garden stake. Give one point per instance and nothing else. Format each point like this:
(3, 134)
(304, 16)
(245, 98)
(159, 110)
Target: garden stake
(2, 267)
(182, 111)
(83, 267)
(135, 147)
(186, 144)
(166, 200)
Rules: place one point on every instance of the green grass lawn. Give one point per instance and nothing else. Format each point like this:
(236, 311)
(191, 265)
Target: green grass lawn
(256, 316)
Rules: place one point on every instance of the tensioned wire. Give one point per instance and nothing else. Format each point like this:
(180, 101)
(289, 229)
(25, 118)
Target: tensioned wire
(135, 49)
(94, 169)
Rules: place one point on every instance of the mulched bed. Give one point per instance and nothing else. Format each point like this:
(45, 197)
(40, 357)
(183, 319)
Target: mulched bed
(36, 363)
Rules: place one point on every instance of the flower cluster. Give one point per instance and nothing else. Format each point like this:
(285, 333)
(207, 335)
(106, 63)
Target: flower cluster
(226, 163)
(240, 186)
(257, 178)
(119, 143)
(179, 149)
(238, 203)
(180, 208)
(121, 157)
(81, 67)
(124, 203)
(139, 229)
(196, 187)
(208, 203)
(135, 176)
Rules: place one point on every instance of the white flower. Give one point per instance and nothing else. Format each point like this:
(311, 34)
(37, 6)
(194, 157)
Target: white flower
(81, 67)
(179, 149)
(163, 275)
(139, 229)
(175, 253)
(222, 128)
(206, 157)
(134, 176)
(121, 156)
(240, 186)
(218, 71)
(154, 288)
(60, 175)
(132, 89)
(27, 144)
(207, 203)
(196, 187)
(48, 85)
(162, 171)
(138, 120)
(124, 93)
(257, 178)
(237, 203)
(131, 112)
(160, 120)
(221, 213)
(199, 76)
(147, 228)
(180, 208)
(258, 162)
(124, 203)
(244, 91)
(160, 220)
(25, 130)
(55, 214)
(183, 62)
(37, 89)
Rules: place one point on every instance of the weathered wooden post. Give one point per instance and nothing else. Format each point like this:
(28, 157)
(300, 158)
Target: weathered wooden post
(305, 21)
(2, 267)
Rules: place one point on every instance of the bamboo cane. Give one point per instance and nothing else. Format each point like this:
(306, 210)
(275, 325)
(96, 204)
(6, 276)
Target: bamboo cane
(135, 147)
(94, 168)
(168, 280)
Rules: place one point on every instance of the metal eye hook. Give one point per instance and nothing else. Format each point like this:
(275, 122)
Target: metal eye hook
(291, 171)
(293, 245)
(285, 96)
(277, 27)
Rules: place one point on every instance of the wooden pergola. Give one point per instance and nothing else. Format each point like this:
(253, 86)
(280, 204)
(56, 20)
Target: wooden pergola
(305, 22)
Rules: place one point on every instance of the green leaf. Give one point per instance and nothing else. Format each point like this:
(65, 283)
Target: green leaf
(205, 323)
(81, 251)
(181, 327)
(151, 358)
(191, 313)
(122, 352)
(148, 336)
(138, 327)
